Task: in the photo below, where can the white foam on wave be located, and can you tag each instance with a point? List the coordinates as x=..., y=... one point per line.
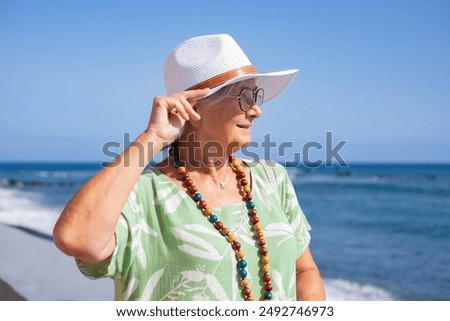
x=23, y=208
x=344, y=290
x=47, y=174
x=300, y=178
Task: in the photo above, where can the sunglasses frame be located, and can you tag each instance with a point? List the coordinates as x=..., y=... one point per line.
x=255, y=95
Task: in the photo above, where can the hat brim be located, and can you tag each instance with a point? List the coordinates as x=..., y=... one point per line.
x=273, y=83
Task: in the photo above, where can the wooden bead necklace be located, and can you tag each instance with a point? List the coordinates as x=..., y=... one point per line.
x=235, y=245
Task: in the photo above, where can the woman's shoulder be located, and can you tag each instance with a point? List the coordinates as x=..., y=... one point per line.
x=151, y=179
x=151, y=185
x=149, y=175
x=158, y=171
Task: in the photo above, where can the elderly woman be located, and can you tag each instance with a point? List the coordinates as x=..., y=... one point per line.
x=202, y=224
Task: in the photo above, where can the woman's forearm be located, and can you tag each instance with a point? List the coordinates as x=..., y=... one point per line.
x=310, y=286
x=308, y=281
x=87, y=224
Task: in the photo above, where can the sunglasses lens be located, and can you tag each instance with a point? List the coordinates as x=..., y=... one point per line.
x=246, y=99
x=260, y=97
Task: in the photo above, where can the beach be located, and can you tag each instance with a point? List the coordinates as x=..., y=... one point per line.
x=32, y=268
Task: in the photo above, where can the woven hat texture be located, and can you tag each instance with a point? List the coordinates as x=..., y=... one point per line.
x=201, y=58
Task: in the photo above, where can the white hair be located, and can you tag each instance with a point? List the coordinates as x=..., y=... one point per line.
x=218, y=96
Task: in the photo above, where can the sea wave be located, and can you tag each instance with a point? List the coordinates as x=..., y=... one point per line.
x=344, y=290
x=401, y=184
x=319, y=178
x=25, y=209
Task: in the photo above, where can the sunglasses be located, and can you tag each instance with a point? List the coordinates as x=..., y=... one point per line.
x=249, y=97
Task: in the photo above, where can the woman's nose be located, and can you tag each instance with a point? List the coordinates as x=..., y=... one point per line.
x=255, y=111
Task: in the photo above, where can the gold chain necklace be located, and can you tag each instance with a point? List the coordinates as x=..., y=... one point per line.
x=222, y=184
x=236, y=246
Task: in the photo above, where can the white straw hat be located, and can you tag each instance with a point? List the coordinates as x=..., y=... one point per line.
x=215, y=61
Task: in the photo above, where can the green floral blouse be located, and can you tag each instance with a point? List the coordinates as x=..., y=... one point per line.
x=167, y=250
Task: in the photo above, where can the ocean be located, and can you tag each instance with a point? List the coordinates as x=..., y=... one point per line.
x=379, y=231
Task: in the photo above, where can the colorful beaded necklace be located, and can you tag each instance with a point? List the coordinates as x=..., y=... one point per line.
x=235, y=245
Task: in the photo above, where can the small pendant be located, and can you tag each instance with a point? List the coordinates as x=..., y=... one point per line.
x=222, y=185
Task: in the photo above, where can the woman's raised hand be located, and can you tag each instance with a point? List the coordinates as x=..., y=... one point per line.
x=169, y=114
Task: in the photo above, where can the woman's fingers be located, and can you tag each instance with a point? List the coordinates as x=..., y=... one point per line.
x=181, y=110
x=176, y=109
x=182, y=103
x=193, y=115
x=192, y=95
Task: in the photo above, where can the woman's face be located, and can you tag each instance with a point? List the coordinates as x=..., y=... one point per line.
x=225, y=123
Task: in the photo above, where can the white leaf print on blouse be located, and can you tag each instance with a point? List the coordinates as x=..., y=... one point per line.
x=131, y=287
x=200, y=228
x=216, y=291
x=170, y=203
x=277, y=280
x=241, y=227
x=136, y=242
x=132, y=201
x=292, y=202
x=264, y=200
x=163, y=193
x=279, y=229
x=195, y=246
x=295, y=223
x=280, y=178
x=151, y=285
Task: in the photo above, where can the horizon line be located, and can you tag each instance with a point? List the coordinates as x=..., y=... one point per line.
x=350, y=163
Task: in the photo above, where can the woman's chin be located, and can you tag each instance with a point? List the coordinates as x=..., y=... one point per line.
x=246, y=143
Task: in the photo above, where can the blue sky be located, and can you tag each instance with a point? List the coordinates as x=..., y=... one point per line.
x=76, y=74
